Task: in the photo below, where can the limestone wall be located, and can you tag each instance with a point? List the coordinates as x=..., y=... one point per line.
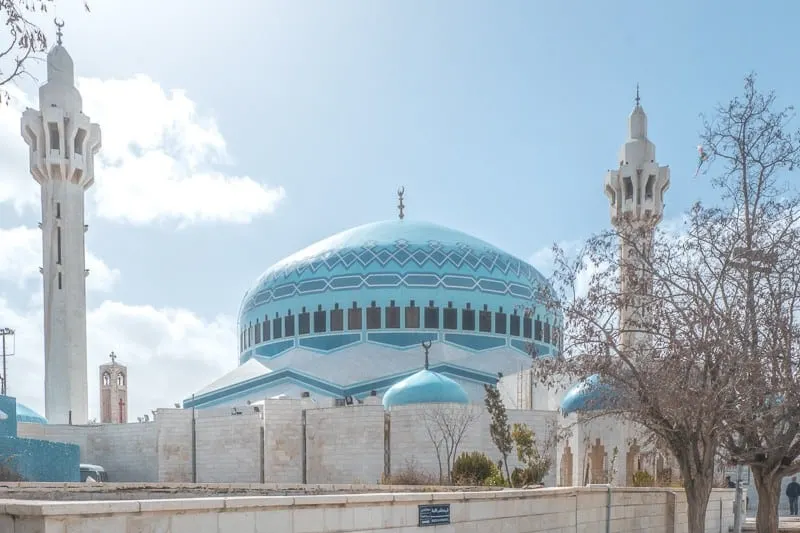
x=411, y=443
x=229, y=448
x=300, y=443
x=583, y=510
x=345, y=445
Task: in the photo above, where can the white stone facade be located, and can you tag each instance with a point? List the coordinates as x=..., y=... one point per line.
x=63, y=143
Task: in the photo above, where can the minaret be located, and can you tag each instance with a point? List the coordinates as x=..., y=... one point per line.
x=63, y=143
x=636, y=193
x=113, y=392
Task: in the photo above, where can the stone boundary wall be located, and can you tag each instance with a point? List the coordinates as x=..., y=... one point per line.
x=579, y=510
x=284, y=441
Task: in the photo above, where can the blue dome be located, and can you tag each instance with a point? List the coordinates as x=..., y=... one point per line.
x=424, y=387
x=390, y=264
x=587, y=395
x=28, y=415
x=339, y=318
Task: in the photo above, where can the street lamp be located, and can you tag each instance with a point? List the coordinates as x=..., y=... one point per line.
x=8, y=350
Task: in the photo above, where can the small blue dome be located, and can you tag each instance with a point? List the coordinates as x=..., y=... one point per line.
x=424, y=387
x=28, y=415
x=589, y=394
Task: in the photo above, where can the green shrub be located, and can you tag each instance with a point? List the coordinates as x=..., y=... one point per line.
x=642, y=479
x=473, y=468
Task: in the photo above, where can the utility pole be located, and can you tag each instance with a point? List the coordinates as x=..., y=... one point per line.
x=7, y=352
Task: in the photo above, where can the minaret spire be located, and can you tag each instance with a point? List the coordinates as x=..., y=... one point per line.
x=63, y=143
x=59, y=34
x=400, y=206
x=426, y=345
x=637, y=99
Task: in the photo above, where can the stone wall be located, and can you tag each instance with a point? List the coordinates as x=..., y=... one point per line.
x=283, y=441
x=345, y=445
x=582, y=510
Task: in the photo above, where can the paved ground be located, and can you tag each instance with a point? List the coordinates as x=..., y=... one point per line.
x=787, y=524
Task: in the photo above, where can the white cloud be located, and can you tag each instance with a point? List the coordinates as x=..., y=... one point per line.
x=170, y=353
x=21, y=257
x=157, y=162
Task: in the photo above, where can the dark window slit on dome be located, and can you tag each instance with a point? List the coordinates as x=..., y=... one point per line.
x=500, y=322
x=450, y=318
x=515, y=324
x=431, y=316
x=468, y=318
x=485, y=324
x=537, y=329
x=265, y=329
x=320, y=320
x=354, y=319
x=288, y=324
x=373, y=316
x=337, y=318
x=276, y=327
x=392, y=316
x=303, y=322
x=412, y=315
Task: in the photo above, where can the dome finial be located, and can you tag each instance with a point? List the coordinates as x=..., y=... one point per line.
x=400, y=192
x=426, y=345
x=59, y=34
x=637, y=95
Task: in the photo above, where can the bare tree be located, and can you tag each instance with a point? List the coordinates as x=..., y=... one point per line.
x=22, y=41
x=446, y=425
x=754, y=238
x=668, y=365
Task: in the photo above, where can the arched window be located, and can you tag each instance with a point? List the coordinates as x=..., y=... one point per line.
x=120, y=380
x=106, y=379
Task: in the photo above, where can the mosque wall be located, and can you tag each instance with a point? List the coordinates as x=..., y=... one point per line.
x=280, y=441
x=345, y=443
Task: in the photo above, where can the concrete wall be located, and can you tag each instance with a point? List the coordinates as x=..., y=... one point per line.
x=345, y=444
x=585, y=510
x=300, y=443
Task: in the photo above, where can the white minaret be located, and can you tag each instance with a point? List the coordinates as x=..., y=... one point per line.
x=636, y=193
x=62, y=145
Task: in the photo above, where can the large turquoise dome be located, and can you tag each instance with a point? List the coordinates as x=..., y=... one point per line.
x=340, y=317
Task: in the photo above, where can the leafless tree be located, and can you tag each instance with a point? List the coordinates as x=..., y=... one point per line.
x=22, y=40
x=754, y=238
x=446, y=425
x=706, y=357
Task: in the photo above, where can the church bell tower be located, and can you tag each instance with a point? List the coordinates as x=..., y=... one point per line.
x=113, y=392
x=636, y=195
x=62, y=144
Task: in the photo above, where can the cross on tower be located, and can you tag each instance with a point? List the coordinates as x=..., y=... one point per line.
x=113, y=357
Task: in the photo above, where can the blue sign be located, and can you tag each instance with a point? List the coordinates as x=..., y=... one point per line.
x=434, y=515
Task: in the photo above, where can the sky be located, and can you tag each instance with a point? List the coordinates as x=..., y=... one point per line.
x=235, y=133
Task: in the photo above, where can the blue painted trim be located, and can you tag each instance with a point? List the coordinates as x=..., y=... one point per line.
x=475, y=342
x=329, y=343
x=324, y=388
x=403, y=340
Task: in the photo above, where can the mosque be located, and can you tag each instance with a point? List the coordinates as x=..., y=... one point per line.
x=396, y=312
x=343, y=319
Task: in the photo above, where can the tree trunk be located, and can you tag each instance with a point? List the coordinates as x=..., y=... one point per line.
x=768, y=486
x=697, y=494
x=508, y=476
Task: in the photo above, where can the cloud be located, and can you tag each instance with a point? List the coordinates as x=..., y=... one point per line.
x=21, y=257
x=170, y=353
x=159, y=162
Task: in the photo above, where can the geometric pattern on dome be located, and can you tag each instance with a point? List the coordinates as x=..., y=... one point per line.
x=403, y=254
x=388, y=279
